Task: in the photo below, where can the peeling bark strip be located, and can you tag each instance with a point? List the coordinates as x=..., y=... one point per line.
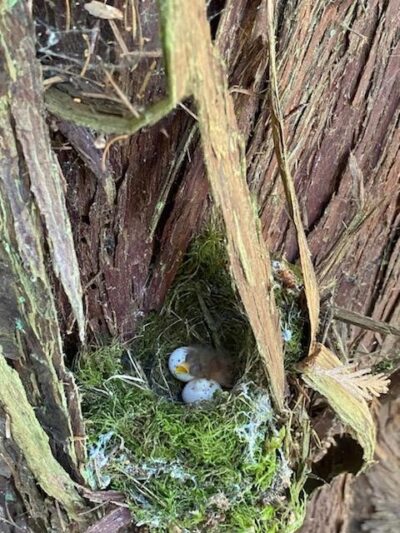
x=321, y=368
x=33, y=335
x=194, y=68
x=320, y=373
x=38, y=396
x=34, y=443
x=199, y=70
x=309, y=277
x=115, y=521
x=339, y=76
x=17, y=43
x=364, y=322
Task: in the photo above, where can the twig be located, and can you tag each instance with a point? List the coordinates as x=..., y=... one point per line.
x=188, y=111
x=67, y=16
x=339, y=343
x=363, y=37
x=11, y=523
x=101, y=96
x=119, y=38
x=146, y=53
x=176, y=165
x=282, y=155
x=212, y=326
x=121, y=94
x=133, y=26
x=339, y=250
x=60, y=517
x=91, y=44
x=146, y=80
x=107, y=149
x=365, y=322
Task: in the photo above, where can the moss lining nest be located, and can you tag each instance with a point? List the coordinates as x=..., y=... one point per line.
x=215, y=466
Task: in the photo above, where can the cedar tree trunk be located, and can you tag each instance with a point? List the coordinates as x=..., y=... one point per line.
x=128, y=209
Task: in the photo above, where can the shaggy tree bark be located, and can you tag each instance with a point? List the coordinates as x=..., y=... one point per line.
x=41, y=433
x=368, y=502
x=134, y=209
x=338, y=67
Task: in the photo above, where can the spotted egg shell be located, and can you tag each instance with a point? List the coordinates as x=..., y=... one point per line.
x=199, y=390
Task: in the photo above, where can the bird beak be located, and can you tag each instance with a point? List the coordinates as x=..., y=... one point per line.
x=182, y=369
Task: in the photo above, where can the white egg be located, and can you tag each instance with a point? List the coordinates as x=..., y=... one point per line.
x=199, y=390
x=177, y=358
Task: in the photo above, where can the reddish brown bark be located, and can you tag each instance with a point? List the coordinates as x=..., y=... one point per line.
x=133, y=220
x=329, y=508
x=338, y=67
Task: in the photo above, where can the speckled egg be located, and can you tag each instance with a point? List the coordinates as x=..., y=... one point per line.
x=176, y=364
x=199, y=390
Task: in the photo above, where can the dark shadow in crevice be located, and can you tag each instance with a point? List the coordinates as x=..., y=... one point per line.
x=344, y=456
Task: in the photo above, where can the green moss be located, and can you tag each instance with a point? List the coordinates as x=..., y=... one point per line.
x=294, y=329
x=203, y=306
x=191, y=466
x=294, y=322
x=217, y=466
x=387, y=365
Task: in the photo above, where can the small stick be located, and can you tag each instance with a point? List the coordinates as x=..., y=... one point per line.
x=67, y=16
x=212, y=326
x=121, y=94
x=146, y=80
x=119, y=38
x=365, y=322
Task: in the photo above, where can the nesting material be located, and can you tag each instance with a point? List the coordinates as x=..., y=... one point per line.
x=218, y=465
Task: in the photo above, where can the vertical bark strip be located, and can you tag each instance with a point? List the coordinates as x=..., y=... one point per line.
x=191, y=54
x=38, y=397
x=34, y=443
x=352, y=409
x=17, y=42
x=309, y=277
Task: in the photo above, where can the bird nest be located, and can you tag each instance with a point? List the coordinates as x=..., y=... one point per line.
x=218, y=465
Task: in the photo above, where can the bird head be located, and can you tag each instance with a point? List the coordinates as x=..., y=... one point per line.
x=179, y=366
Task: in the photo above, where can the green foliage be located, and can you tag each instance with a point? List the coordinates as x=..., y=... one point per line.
x=99, y=364
x=293, y=325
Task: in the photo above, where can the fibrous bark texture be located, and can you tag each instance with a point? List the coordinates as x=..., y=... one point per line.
x=368, y=502
x=376, y=493
x=329, y=507
x=338, y=66
x=136, y=205
x=39, y=408
x=340, y=77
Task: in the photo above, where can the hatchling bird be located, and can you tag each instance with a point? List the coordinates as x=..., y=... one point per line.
x=201, y=361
